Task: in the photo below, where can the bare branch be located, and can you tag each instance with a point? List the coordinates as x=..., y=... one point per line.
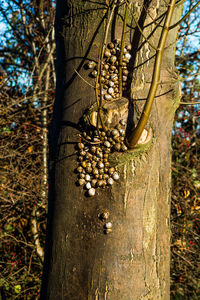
x=185, y=17
x=135, y=135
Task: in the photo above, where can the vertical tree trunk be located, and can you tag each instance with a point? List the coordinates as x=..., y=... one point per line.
x=132, y=262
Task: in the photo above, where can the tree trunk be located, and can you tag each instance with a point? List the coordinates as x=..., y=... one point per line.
x=132, y=262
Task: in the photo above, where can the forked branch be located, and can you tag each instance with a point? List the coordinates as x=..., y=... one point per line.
x=135, y=135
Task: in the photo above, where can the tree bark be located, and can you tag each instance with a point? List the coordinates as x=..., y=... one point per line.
x=132, y=262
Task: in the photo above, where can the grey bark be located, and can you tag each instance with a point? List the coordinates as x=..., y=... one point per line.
x=132, y=262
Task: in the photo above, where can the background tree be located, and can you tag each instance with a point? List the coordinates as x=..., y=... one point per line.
x=27, y=92
x=185, y=189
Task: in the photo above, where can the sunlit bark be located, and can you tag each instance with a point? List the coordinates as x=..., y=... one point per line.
x=132, y=262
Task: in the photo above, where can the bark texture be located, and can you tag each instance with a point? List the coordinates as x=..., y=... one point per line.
x=132, y=262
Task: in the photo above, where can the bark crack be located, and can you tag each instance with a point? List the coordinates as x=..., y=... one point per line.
x=143, y=251
x=127, y=190
x=159, y=182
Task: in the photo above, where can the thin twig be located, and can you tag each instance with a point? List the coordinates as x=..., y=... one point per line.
x=146, y=39
x=190, y=103
x=173, y=251
x=89, y=142
x=83, y=79
x=122, y=49
x=18, y=241
x=184, y=227
x=185, y=17
x=154, y=21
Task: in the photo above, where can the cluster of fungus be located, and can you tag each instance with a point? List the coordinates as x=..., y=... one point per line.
x=109, y=75
x=94, y=169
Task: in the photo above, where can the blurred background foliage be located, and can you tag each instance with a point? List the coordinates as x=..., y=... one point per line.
x=27, y=87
